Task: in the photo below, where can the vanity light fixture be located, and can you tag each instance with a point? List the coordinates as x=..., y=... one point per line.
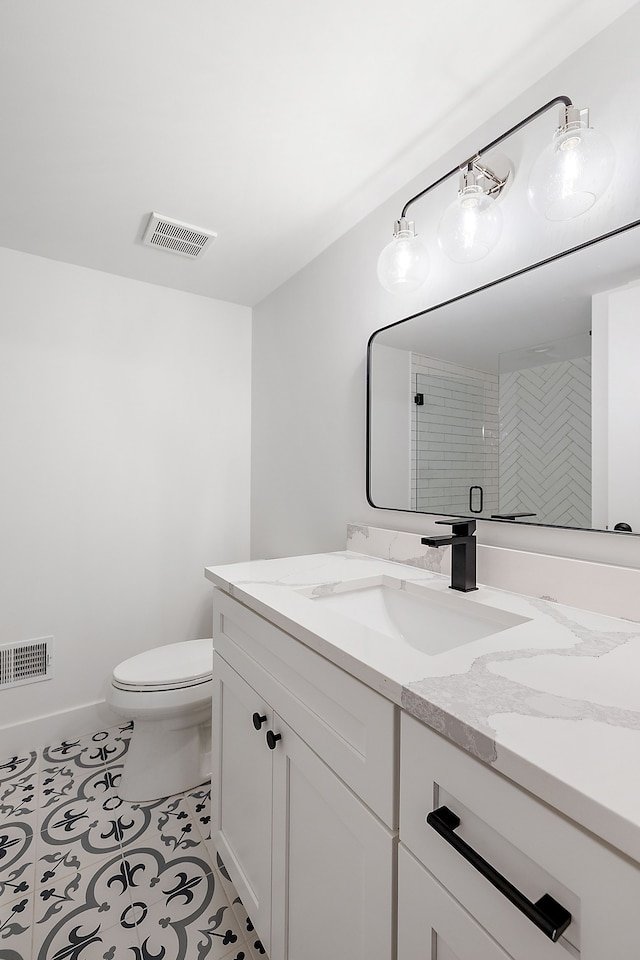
x=565, y=182
x=573, y=170
x=403, y=265
x=471, y=226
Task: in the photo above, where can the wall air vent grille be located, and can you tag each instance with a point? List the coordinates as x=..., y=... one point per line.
x=26, y=662
x=181, y=238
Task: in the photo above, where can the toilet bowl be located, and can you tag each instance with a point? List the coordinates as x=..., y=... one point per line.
x=167, y=693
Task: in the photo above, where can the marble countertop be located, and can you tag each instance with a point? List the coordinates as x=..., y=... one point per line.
x=553, y=702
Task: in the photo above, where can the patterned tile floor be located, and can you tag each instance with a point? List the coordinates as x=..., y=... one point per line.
x=85, y=875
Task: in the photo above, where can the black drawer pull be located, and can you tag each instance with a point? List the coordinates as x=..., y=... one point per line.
x=547, y=914
x=258, y=720
x=272, y=739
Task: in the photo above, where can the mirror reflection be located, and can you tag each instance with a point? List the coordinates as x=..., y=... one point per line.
x=516, y=401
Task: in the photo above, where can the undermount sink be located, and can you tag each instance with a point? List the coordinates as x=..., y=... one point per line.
x=428, y=620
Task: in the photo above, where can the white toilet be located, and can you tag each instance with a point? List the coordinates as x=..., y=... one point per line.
x=167, y=693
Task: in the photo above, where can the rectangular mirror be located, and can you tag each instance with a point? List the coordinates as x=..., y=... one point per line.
x=516, y=401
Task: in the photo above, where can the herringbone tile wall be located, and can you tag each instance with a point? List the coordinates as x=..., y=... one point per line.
x=545, y=442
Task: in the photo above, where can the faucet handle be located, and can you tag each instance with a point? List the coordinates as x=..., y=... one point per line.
x=461, y=527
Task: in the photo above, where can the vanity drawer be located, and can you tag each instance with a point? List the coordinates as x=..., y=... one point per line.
x=431, y=924
x=352, y=727
x=535, y=848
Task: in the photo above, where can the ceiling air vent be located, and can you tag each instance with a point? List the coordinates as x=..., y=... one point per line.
x=181, y=238
x=26, y=662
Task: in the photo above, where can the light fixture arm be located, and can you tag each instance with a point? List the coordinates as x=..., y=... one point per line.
x=472, y=172
x=474, y=161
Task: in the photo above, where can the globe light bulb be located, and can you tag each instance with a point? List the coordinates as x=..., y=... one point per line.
x=573, y=171
x=403, y=265
x=471, y=226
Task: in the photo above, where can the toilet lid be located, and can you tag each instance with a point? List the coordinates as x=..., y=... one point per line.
x=180, y=664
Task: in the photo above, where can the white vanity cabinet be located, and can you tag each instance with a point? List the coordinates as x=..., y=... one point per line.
x=326, y=835
x=448, y=909
x=304, y=806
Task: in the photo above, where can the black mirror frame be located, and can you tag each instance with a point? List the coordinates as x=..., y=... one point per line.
x=445, y=303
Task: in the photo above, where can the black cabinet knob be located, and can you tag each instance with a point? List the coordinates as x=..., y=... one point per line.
x=259, y=719
x=272, y=739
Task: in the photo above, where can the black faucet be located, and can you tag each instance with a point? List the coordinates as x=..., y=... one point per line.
x=463, y=552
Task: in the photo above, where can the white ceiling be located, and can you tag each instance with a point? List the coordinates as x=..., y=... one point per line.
x=277, y=124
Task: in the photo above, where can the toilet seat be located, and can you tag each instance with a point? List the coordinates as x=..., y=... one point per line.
x=171, y=667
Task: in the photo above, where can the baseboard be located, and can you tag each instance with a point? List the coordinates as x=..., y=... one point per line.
x=52, y=728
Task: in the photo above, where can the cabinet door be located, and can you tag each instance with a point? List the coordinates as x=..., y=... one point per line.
x=333, y=863
x=242, y=772
x=431, y=924
x=352, y=727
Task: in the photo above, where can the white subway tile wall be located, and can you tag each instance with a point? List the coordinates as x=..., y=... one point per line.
x=454, y=438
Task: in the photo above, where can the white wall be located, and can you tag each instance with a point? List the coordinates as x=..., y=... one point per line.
x=616, y=442
x=310, y=335
x=391, y=414
x=125, y=452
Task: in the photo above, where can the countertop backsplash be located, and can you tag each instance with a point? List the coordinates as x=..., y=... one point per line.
x=599, y=587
